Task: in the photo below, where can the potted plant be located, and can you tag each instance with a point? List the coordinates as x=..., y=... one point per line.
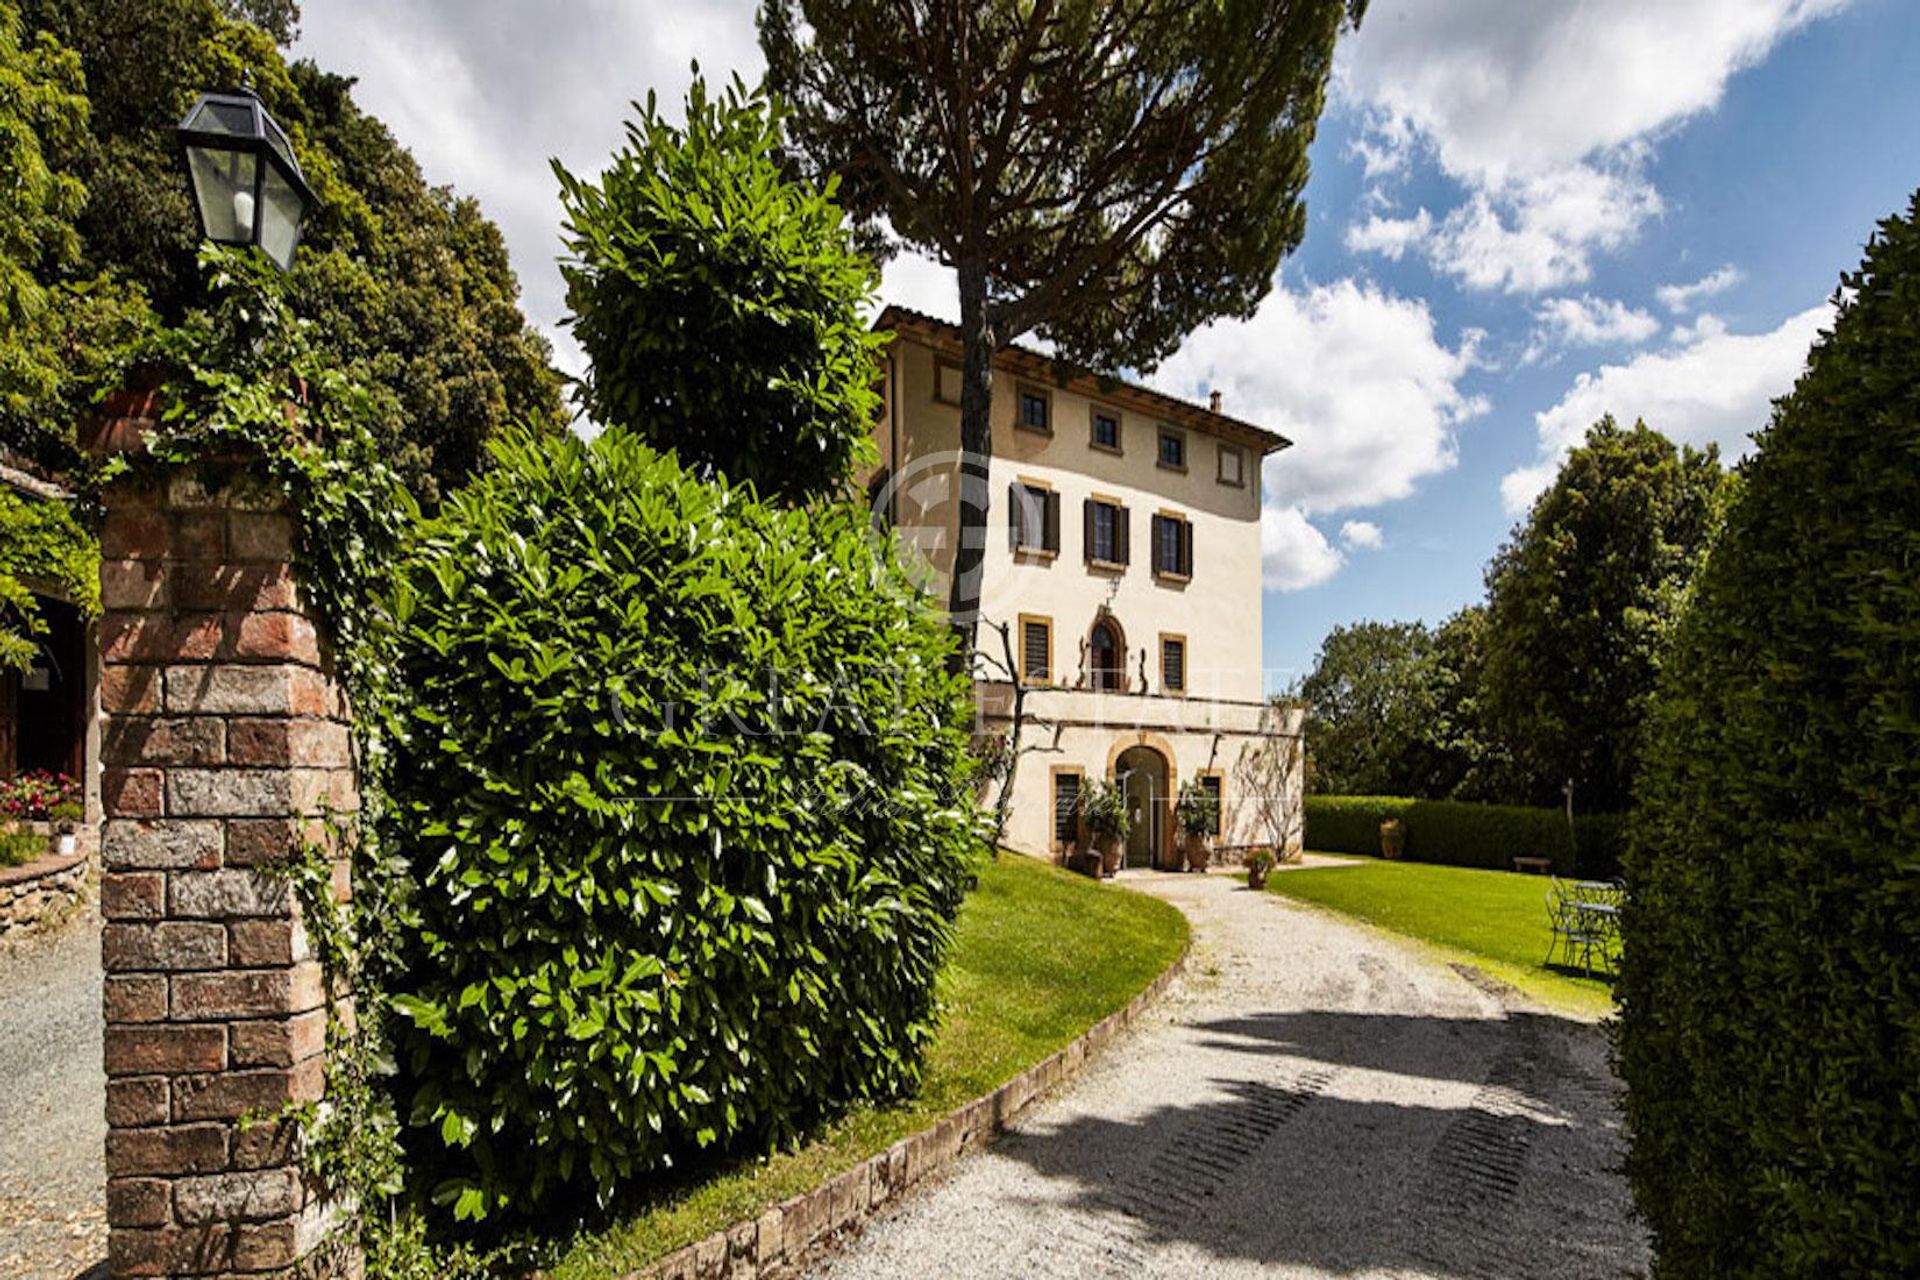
x=66, y=818
x=1105, y=808
x=1259, y=865
x=1197, y=813
x=1393, y=839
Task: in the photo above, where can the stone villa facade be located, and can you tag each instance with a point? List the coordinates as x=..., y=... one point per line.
x=1123, y=554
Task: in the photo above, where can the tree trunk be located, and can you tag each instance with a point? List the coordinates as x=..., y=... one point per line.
x=976, y=453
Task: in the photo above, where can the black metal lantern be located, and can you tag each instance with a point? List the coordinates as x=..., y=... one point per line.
x=247, y=186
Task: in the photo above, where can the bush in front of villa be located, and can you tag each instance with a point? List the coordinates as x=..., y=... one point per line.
x=1770, y=987
x=683, y=779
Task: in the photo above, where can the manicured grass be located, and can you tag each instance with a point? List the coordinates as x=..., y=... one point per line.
x=1496, y=918
x=1040, y=956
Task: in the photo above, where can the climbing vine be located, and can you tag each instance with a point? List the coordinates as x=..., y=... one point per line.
x=41, y=546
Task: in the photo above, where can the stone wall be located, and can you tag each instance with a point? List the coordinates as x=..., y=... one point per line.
x=225, y=738
x=43, y=889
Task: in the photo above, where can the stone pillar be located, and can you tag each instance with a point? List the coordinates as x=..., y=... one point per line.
x=224, y=737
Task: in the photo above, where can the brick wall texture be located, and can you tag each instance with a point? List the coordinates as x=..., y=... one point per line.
x=225, y=740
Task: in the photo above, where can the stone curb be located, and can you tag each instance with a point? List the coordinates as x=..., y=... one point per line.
x=797, y=1231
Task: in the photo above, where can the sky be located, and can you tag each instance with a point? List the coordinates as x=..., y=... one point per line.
x=1523, y=214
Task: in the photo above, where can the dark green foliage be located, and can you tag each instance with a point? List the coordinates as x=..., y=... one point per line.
x=1393, y=708
x=42, y=549
x=1579, y=605
x=701, y=275
x=408, y=287
x=683, y=779
x=1108, y=173
x=1454, y=834
x=1770, y=995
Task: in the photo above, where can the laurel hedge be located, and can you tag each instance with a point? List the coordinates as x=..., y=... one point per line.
x=1770, y=989
x=1456, y=834
x=682, y=778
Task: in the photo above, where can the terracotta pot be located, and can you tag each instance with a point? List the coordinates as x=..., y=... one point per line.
x=1086, y=864
x=1393, y=839
x=1109, y=849
x=1199, y=853
x=1257, y=877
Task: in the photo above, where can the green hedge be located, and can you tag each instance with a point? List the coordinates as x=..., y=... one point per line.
x=1455, y=834
x=683, y=780
x=1770, y=984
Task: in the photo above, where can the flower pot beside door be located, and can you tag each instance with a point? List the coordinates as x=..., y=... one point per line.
x=66, y=818
x=1107, y=823
x=1197, y=814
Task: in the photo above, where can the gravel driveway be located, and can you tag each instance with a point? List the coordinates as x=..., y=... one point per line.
x=1315, y=1099
x=53, y=1222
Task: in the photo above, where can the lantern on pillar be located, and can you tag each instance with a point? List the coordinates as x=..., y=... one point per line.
x=247, y=187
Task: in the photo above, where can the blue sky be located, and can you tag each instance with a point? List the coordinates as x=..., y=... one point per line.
x=1522, y=214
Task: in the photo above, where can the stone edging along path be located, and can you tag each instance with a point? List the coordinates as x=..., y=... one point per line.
x=41, y=889
x=796, y=1231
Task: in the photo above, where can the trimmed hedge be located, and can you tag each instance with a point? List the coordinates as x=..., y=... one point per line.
x=1456, y=834
x=1769, y=1031
x=683, y=780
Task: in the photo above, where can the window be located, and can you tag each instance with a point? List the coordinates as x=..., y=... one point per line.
x=1107, y=657
x=1233, y=466
x=1106, y=429
x=946, y=382
x=1172, y=546
x=1173, y=663
x=1036, y=649
x=1105, y=532
x=1033, y=518
x=1173, y=449
x=1066, y=806
x=1036, y=411
x=1210, y=782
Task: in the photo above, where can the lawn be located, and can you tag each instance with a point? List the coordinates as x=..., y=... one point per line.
x=1039, y=957
x=1494, y=919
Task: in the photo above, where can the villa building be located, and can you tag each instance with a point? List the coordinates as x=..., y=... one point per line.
x=1123, y=557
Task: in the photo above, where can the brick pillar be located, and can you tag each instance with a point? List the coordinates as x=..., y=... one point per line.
x=224, y=736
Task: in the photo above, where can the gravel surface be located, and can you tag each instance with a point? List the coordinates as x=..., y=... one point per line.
x=53, y=1220
x=1315, y=1099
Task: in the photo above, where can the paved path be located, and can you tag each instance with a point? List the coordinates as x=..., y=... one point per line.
x=1316, y=1099
x=53, y=1222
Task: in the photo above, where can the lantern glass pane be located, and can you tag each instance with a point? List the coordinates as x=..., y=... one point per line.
x=277, y=139
x=280, y=217
x=223, y=184
x=229, y=117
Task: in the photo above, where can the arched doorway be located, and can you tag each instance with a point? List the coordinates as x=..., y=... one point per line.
x=1107, y=656
x=1142, y=774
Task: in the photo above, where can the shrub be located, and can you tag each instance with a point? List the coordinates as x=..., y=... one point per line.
x=683, y=778
x=1770, y=987
x=1456, y=834
x=35, y=795
x=702, y=276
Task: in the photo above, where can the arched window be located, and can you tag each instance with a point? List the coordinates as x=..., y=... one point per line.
x=1107, y=656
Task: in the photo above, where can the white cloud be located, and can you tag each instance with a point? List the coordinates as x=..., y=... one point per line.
x=1587, y=321
x=1358, y=380
x=1293, y=553
x=1362, y=535
x=1390, y=237
x=1715, y=387
x=1545, y=113
x=1679, y=298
